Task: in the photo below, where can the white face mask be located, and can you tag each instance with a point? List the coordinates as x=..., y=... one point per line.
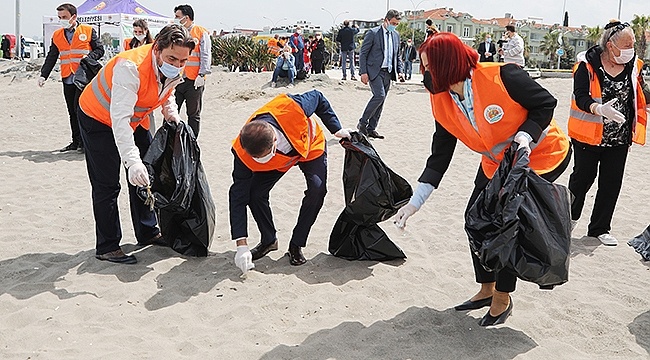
x=299, y=31
x=625, y=56
x=65, y=23
x=268, y=157
x=140, y=37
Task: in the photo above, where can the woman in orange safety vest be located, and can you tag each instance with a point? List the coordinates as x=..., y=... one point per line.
x=141, y=35
x=608, y=114
x=486, y=107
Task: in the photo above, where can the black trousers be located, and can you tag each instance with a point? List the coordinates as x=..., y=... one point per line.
x=506, y=279
x=103, y=163
x=315, y=172
x=71, y=93
x=317, y=66
x=609, y=164
x=193, y=98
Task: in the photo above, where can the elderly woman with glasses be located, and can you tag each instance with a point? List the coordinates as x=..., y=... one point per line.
x=608, y=114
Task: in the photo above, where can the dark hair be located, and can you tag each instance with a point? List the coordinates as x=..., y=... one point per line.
x=172, y=35
x=393, y=14
x=449, y=60
x=346, y=22
x=141, y=23
x=256, y=137
x=510, y=28
x=68, y=7
x=429, y=22
x=185, y=10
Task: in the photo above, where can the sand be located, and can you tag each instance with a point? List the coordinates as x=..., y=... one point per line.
x=58, y=302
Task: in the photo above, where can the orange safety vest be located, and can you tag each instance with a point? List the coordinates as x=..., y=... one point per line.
x=71, y=53
x=95, y=100
x=273, y=46
x=498, y=118
x=127, y=44
x=194, y=62
x=588, y=128
x=304, y=134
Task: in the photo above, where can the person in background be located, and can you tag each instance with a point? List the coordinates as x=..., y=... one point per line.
x=317, y=54
x=6, y=47
x=346, y=40
x=307, y=54
x=284, y=67
x=114, y=114
x=190, y=91
x=409, y=54
x=608, y=114
x=273, y=45
x=379, y=63
x=513, y=50
x=277, y=137
x=297, y=43
x=71, y=43
x=23, y=45
x=487, y=107
x=487, y=49
x=141, y=35
x=431, y=29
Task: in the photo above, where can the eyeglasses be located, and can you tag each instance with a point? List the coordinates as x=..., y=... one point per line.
x=618, y=26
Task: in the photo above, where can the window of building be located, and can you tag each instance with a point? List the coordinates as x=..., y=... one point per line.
x=450, y=28
x=581, y=43
x=477, y=31
x=466, y=31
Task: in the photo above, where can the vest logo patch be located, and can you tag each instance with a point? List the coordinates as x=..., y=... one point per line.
x=493, y=113
x=83, y=37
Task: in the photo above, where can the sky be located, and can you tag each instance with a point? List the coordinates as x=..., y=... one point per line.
x=223, y=14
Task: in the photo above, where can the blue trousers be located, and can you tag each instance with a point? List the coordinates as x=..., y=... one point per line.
x=315, y=172
x=408, y=69
x=379, y=87
x=279, y=72
x=103, y=163
x=344, y=56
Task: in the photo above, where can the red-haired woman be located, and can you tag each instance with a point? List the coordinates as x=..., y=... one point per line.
x=486, y=106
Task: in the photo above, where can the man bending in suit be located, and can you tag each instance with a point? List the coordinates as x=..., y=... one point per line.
x=379, y=63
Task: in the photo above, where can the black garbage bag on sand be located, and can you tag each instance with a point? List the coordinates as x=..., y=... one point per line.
x=641, y=244
x=183, y=202
x=522, y=222
x=373, y=193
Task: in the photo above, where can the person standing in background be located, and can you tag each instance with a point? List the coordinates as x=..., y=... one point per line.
x=141, y=35
x=71, y=43
x=317, y=54
x=487, y=49
x=345, y=38
x=190, y=91
x=513, y=49
x=297, y=43
x=409, y=54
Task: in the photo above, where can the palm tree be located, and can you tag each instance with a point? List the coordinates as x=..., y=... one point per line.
x=593, y=35
x=479, y=38
x=549, y=45
x=640, y=24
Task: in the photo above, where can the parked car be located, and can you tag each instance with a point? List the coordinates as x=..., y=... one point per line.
x=28, y=48
x=534, y=73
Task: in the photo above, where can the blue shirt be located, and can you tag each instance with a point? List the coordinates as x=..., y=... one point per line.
x=388, y=50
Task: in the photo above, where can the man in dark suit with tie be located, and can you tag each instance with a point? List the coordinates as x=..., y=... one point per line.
x=379, y=63
x=487, y=49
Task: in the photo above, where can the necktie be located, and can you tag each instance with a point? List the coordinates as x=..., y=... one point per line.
x=390, y=52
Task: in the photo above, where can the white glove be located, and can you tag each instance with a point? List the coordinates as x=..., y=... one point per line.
x=41, y=81
x=523, y=139
x=174, y=120
x=199, y=81
x=609, y=112
x=138, y=175
x=343, y=133
x=403, y=214
x=244, y=258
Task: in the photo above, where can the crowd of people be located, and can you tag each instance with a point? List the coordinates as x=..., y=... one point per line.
x=485, y=105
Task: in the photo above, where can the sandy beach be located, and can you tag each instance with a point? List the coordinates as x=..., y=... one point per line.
x=58, y=302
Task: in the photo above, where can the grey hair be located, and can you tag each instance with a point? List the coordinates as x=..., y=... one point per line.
x=174, y=34
x=612, y=34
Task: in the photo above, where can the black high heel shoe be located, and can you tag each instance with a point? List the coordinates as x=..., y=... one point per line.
x=473, y=305
x=489, y=320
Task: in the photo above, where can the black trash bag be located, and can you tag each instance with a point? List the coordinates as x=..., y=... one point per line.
x=373, y=193
x=641, y=244
x=522, y=222
x=186, y=212
x=87, y=70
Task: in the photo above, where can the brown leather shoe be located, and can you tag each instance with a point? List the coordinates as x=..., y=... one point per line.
x=156, y=240
x=117, y=256
x=375, y=134
x=296, y=257
x=261, y=250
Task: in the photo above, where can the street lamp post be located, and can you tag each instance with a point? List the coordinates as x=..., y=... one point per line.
x=619, y=9
x=415, y=7
x=333, y=27
x=18, y=44
x=275, y=23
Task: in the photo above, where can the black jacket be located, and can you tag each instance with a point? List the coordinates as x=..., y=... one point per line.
x=412, y=53
x=346, y=38
x=96, y=53
x=318, y=51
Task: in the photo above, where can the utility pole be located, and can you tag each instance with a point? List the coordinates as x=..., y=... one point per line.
x=619, y=9
x=18, y=44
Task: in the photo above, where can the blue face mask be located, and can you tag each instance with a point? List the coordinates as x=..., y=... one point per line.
x=390, y=27
x=170, y=71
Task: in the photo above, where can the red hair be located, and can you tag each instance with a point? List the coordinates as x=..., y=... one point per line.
x=449, y=60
